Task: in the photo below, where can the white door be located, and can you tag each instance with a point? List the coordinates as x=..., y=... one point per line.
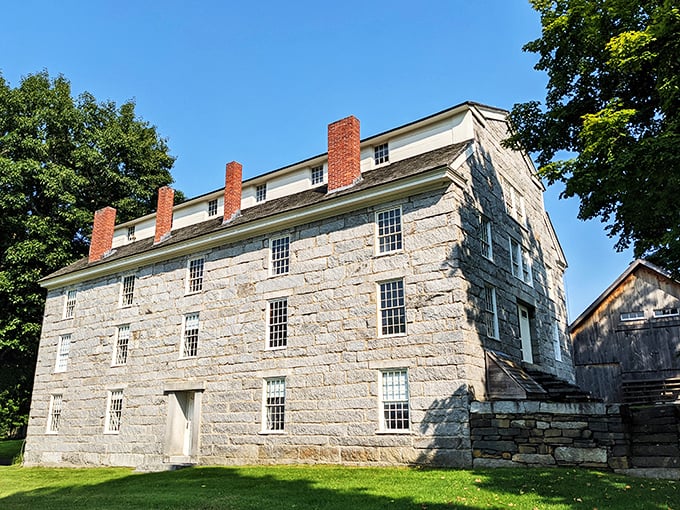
x=187, y=404
x=525, y=333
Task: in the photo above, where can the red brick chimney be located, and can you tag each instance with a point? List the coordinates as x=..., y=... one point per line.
x=102, y=233
x=344, y=153
x=232, y=190
x=166, y=198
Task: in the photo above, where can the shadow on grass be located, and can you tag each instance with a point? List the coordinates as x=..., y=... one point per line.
x=333, y=488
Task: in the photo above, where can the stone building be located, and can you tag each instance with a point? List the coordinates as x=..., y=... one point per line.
x=341, y=309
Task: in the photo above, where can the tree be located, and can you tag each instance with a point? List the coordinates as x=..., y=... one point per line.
x=60, y=160
x=612, y=104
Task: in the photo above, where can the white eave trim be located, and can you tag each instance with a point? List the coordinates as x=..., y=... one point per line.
x=426, y=181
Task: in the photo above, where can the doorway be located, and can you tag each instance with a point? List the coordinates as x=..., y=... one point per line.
x=525, y=333
x=181, y=442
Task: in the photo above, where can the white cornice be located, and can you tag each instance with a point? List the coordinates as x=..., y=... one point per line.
x=426, y=181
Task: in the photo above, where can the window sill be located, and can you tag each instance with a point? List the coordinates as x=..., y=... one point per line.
x=193, y=293
x=393, y=335
x=272, y=432
x=111, y=433
x=392, y=252
x=51, y=433
x=398, y=432
x=281, y=348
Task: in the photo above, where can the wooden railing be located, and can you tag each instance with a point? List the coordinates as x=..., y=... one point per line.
x=651, y=391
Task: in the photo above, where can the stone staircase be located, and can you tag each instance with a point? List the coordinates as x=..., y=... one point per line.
x=558, y=390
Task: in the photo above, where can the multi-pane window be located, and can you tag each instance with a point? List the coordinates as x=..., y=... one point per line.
x=278, y=323
x=392, y=308
x=514, y=202
x=275, y=404
x=381, y=154
x=520, y=262
x=666, y=312
x=195, y=281
x=632, y=316
x=127, y=291
x=261, y=192
x=190, y=335
x=280, y=255
x=70, y=305
x=120, y=352
x=212, y=208
x=317, y=175
x=389, y=230
x=485, y=237
x=556, y=341
x=63, y=349
x=114, y=411
x=54, y=416
x=131, y=233
x=395, y=400
x=490, y=312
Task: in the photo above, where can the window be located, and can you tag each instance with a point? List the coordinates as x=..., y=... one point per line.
x=280, y=256
x=261, y=192
x=556, y=341
x=395, y=400
x=278, y=323
x=490, y=312
x=54, y=416
x=392, y=308
x=317, y=175
x=514, y=202
x=63, y=349
x=195, y=282
x=114, y=411
x=632, y=316
x=666, y=312
x=275, y=404
x=127, y=291
x=70, y=304
x=381, y=154
x=190, y=336
x=131, y=233
x=485, y=237
x=212, y=208
x=520, y=262
x=120, y=351
x=389, y=230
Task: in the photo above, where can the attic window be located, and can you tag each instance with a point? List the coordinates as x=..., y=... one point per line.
x=381, y=154
x=632, y=316
x=212, y=208
x=131, y=233
x=666, y=312
x=317, y=175
x=261, y=193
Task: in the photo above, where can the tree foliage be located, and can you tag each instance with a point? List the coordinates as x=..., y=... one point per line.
x=612, y=104
x=61, y=158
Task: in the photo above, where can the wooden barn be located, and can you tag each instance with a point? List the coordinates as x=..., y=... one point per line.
x=627, y=343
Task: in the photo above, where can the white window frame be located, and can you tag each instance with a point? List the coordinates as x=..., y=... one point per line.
x=381, y=154
x=485, y=238
x=399, y=306
x=127, y=291
x=635, y=315
x=557, y=340
x=277, y=330
x=514, y=202
x=398, y=234
x=54, y=413
x=279, y=256
x=666, y=312
x=131, y=237
x=113, y=416
x=212, y=208
x=63, y=352
x=261, y=193
x=389, y=398
x=194, y=282
x=490, y=312
x=121, y=348
x=190, y=335
x=70, y=301
x=520, y=262
x=316, y=175
x=274, y=384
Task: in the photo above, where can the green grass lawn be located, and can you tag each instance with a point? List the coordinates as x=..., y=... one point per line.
x=330, y=488
x=9, y=449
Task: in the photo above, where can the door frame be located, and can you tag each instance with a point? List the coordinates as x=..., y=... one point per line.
x=524, y=319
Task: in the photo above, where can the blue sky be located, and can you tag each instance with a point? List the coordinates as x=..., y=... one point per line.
x=258, y=82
